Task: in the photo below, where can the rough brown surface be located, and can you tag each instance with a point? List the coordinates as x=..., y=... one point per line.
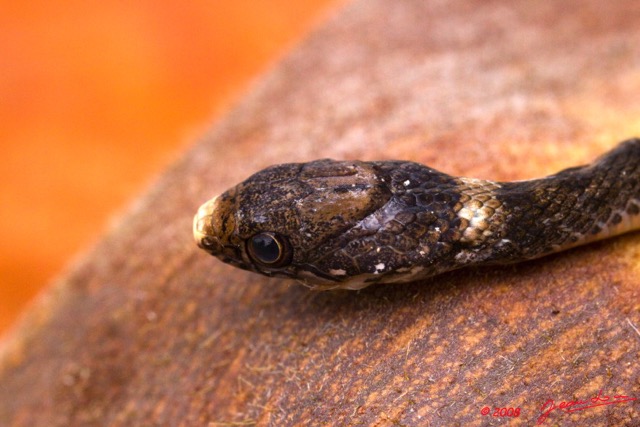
x=147, y=329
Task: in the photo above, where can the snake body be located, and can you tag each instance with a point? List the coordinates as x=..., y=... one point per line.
x=348, y=224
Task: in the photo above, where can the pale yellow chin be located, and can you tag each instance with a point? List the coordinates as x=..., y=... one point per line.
x=202, y=220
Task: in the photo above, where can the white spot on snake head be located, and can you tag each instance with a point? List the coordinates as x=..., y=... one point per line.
x=380, y=266
x=406, y=183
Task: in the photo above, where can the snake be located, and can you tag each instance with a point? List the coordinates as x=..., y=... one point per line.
x=339, y=224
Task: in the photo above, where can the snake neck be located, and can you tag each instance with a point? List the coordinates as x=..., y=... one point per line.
x=575, y=206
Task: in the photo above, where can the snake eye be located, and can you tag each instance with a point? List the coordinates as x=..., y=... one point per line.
x=269, y=249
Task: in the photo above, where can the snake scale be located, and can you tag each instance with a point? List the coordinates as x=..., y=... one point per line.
x=349, y=224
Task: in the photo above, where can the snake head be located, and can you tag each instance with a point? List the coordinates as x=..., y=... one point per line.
x=289, y=220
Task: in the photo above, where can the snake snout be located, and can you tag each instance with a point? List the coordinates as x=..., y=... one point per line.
x=214, y=227
x=203, y=227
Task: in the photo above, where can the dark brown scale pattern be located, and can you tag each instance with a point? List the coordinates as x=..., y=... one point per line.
x=573, y=205
x=419, y=223
x=350, y=224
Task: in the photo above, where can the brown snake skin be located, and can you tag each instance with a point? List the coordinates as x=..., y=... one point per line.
x=349, y=224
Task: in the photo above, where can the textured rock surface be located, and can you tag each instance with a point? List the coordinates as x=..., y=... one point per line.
x=148, y=329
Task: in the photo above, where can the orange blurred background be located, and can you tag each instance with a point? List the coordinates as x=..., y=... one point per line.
x=98, y=96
